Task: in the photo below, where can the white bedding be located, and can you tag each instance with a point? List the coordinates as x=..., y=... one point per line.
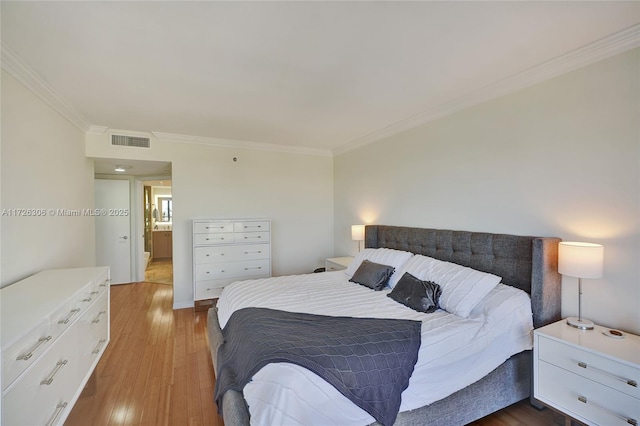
x=454, y=351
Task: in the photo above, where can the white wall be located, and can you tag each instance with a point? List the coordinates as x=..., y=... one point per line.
x=561, y=158
x=43, y=167
x=295, y=191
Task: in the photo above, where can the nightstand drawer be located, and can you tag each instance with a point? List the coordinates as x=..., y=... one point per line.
x=585, y=400
x=611, y=373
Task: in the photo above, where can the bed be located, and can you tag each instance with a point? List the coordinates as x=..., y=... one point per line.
x=525, y=263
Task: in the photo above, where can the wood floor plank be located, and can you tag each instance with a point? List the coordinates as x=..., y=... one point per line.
x=157, y=370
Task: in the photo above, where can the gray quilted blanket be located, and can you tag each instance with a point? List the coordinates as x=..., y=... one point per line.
x=368, y=360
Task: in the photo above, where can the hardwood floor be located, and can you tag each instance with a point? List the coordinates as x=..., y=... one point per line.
x=157, y=369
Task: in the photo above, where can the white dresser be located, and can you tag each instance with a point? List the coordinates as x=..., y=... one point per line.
x=55, y=328
x=229, y=250
x=587, y=375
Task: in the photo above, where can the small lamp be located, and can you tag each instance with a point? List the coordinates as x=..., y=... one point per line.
x=582, y=260
x=357, y=234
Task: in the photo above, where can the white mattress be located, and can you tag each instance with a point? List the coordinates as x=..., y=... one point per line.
x=454, y=353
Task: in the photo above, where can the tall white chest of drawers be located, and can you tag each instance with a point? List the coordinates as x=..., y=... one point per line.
x=55, y=328
x=229, y=250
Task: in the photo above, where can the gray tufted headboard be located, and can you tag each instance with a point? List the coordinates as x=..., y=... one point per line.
x=528, y=263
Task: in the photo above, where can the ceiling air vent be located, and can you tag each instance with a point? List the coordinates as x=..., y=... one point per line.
x=122, y=140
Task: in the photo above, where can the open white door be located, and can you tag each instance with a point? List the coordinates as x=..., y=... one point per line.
x=113, y=237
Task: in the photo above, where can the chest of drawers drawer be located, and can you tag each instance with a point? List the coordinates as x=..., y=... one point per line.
x=231, y=253
x=211, y=239
x=217, y=227
x=244, y=269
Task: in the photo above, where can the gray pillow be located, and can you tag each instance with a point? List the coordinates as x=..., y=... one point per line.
x=372, y=275
x=421, y=296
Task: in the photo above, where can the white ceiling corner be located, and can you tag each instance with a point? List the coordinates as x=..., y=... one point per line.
x=609, y=46
x=22, y=72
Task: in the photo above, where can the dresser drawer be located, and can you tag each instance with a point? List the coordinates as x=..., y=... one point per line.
x=212, y=227
x=210, y=289
x=93, y=329
x=17, y=357
x=51, y=381
x=241, y=269
x=251, y=226
x=231, y=253
x=251, y=237
x=609, y=372
x=583, y=399
x=211, y=239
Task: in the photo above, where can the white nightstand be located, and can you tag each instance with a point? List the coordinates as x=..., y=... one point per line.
x=587, y=375
x=337, y=263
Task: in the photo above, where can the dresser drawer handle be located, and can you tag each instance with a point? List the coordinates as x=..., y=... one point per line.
x=105, y=283
x=630, y=421
x=221, y=238
x=253, y=252
x=94, y=292
x=88, y=299
x=68, y=318
x=630, y=382
x=255, y=237
x=59, y=409
x=59, y=365
x=214, y=227
x=29, y=354
x=98, y=346
x=252, y=226
x=252, y=267
x=98, y=318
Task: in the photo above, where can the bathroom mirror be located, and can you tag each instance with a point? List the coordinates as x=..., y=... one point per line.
x=165, y=209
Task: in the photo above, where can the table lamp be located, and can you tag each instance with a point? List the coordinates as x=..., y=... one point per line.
x=357, y=234
x=581, y=260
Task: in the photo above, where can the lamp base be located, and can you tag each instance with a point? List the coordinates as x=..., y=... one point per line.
x=585, y=324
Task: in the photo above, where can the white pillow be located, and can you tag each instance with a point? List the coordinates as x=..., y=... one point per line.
x=384, y=256
x=462, y=288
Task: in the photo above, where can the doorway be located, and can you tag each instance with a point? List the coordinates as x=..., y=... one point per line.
x=158, y=231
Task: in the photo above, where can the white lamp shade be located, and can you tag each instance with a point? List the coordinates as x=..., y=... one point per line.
x=357, y=232
x=582, y=260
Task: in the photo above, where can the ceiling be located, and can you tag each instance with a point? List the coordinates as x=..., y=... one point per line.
x=317, y=75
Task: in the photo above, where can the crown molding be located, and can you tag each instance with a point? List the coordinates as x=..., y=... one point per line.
x=14, y=65
x=232, y=143
x=97, y=130
x=604, y=48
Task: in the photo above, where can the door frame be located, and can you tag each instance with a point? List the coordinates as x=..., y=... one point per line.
x=137, y=207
